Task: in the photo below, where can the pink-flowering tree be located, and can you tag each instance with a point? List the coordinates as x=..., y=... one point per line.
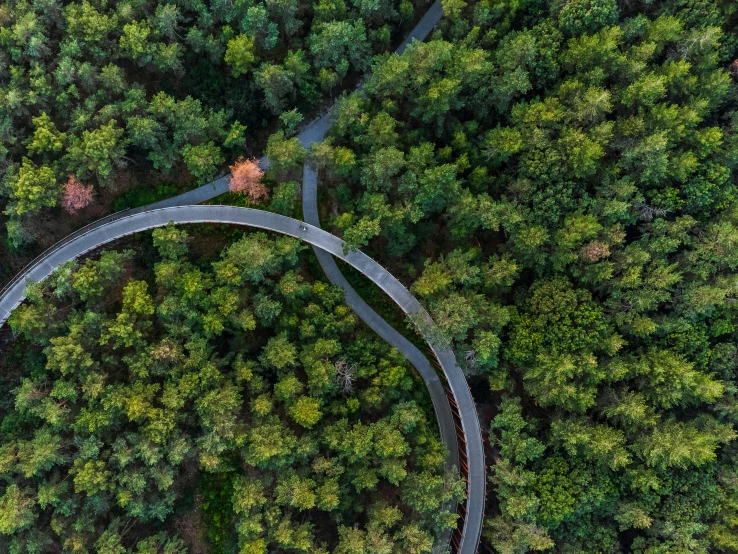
x=246, y=179
x=75, y=195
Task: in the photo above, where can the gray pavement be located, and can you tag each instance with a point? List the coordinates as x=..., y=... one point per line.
x=180, y=209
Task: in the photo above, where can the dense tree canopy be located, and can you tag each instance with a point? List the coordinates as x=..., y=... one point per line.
x=555, y=180
x=558, y=180
x=89, y=87
x=242, y=382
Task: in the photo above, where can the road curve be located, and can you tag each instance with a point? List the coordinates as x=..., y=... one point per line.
x=249, y=217
x=326, y=246
x=476, y=474
x=329, y=245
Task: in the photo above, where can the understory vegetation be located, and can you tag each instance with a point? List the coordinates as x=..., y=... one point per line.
x=163, y=401
x=558, y=181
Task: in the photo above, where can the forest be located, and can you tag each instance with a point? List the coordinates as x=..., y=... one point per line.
x=162, y=399
x=557, y=180
x=97, y=94
x=554, y=180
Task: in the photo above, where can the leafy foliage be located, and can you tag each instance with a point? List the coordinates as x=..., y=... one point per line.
x=89, y=88
x=130, y=381
x=558, y=182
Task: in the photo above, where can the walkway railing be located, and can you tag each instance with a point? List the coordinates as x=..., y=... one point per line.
x=456, y=537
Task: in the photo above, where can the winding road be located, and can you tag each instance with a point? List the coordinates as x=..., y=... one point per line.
x=452, y=400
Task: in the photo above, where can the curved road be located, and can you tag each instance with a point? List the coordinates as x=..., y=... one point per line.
x=476, y=472
x=326, y=246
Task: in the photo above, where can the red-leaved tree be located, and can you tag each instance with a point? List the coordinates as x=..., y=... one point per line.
x=75, y=195
x=246, y=179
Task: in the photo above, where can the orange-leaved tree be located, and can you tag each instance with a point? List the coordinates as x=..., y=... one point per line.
x=246, y=179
